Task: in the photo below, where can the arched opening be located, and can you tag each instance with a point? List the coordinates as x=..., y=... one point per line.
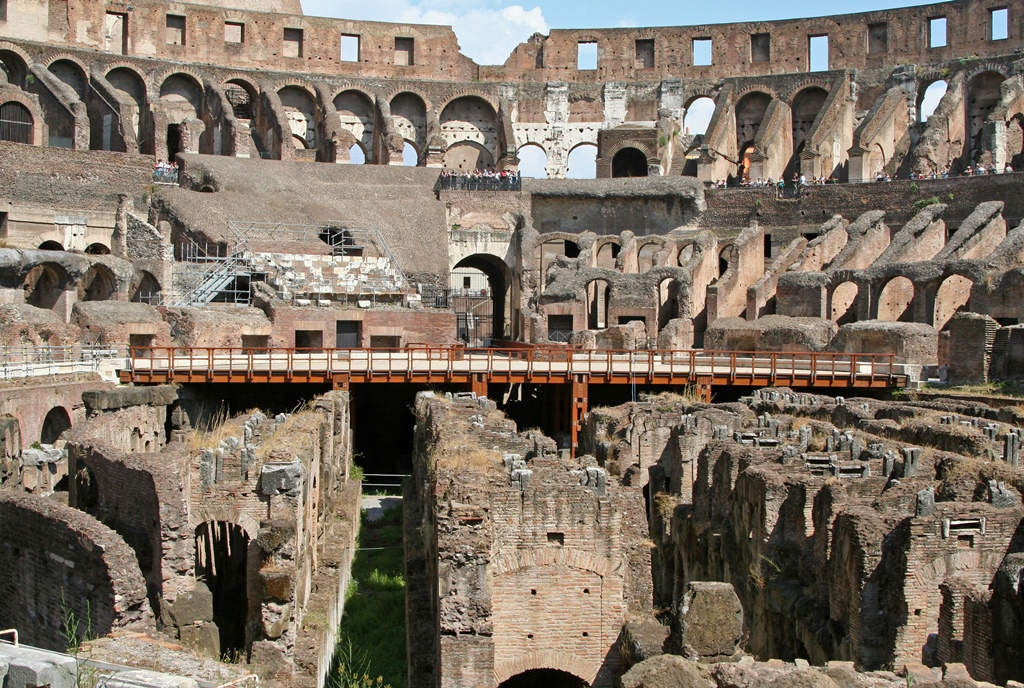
x=894, y=299
x=750, y=110
x=410, y=156
x=607, y=254
x=147, y=289
x=241, y=95
x=597, y=304
x=44, y=285
x=930, y=98
x=51, y=246
x=533, y=161
x=13, y=68
x=743, y=171
x=131, y=88
x=551, y=251
x=98, y=284
x=55, y=423
x=356, y=155
x=355, y=109
x=468, y=156
x=698, y=116
x=300, y=111
x=723, y=260
x=409, y=114
x=668, y=294
x=480, y=314
x=173, y=140
x=582, y=162
x=647, y=255
x=15, y=123
x=952, y=295
x=544, y=678
x=806, y=106
x=182, y=97
x=841, y=309
x=629, y=162
x=685, y=255
x=983, y=97
x=97, y=249
x=221, y=561
x=72, y=75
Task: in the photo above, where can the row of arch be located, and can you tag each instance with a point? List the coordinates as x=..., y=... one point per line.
x=45, y=284
x=899, y=299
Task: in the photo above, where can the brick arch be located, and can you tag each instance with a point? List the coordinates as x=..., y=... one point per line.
x=545, y=659
x=282, y=84
x=122, y=64
x=468, y=93
x=570, y=557
x=805, y=85
x=255, y=85
x=977, y=69
x=629, y=143
x=34, y=110
x=399, y=90
x=369, y=94
x=159, y=78
x=205, y=514
x=67, y=57
x=756, y=88
x=12, y=48
x=696, y=93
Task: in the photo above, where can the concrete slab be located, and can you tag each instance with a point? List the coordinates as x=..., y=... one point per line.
x=375, y=507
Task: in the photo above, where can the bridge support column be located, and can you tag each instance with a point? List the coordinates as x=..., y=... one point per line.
x=577, y=409
x=340, y=382
x=478, y=385
x=704, y=388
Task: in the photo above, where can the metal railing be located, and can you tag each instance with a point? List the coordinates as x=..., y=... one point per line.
x=458, y=361
x=36, y=361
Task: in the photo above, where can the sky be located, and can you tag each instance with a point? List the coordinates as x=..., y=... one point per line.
x=488, y=30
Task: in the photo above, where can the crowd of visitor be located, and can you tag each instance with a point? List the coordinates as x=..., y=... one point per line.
x=165, y=173
x=481, y=180
x=799, y=181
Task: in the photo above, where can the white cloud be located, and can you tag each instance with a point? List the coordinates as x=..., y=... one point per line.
x=487, y=34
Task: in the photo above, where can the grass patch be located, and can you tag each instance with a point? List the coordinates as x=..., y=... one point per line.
x=372, y=635
x=1013, y=387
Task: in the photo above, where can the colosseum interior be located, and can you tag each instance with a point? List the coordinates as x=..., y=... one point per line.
x=742, y=410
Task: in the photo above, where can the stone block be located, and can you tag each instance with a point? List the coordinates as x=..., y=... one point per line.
x=277, y=584
x=202, y=638
x=36, y=672
x=281, y=478
x=711, y=621
x=664, y=671
x=192, y=607
x=148, y=679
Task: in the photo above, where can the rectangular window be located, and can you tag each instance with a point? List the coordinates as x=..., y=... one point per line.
x=175, y=30
x=404, y=55
x=349, y=48
x=878, y=38
x=348, y=334
x=701, y=52
x=234, y=32
x=1000, y=23
x=3, y=10
x=760, y=47
x=817, y=53
x=644, y=53
x=115, y=33
x=586, y=55
x=292, y=43
x=937, y=32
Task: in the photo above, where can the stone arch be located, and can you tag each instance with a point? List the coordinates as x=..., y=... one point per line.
x=469, y=94
x=629, y=162
x=550, y=660
x=469, y=119
x=98, y=284
x=410, y=154
x=184, y=93
x=598, y=293
x=668, y=294
x=242, y=94
x=551, y=247
x=806, y=105
x=205, y=513
x=697, y=114
x=131, y=88
x=51, y=245
x=499, y=277
x=13, y=65
x=983, y=96
x=929, y=94
x=409, y=114
x=17, y=123
x=299, y=105
x=606, y=251
x=749, y=111
x=533, y=160
x=146, y=288
x=72, y=72
x=841, y=302
x=952, y=295
x=45, y=284
x=686, y=253
x=57, y=420
x=581, y=161
x=356, y=111
x=894, y=299
x=468, y=156
x=647, y=254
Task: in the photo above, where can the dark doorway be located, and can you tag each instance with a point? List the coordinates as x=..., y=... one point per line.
x=629, y=162
x=309, y=339
x=55, y=423
x=347, y=334
x=173, y=141
x=221, y=555
x=544, y=678
x=480, y=292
